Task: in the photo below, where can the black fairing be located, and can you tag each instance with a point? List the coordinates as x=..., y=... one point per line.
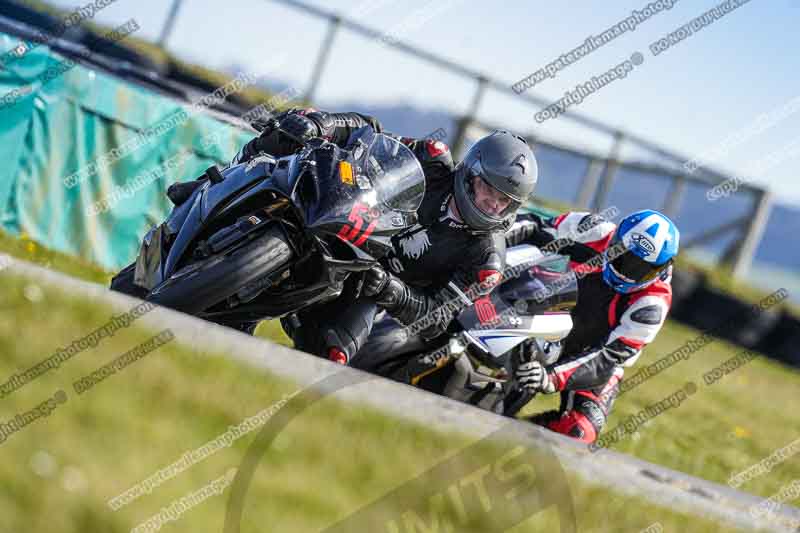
x=208, y=199
x=347, y=212
x=337, y=205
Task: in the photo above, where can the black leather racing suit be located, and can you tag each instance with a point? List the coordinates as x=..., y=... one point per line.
x=439, y=259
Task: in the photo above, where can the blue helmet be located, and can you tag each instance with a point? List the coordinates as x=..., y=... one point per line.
x=641, y=251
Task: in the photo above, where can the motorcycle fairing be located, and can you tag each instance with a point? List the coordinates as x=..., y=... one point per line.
x=350, y=212
x=237, y=179
x=354, y=209
x=188, y=219
x=550, y=327
x=528, y=305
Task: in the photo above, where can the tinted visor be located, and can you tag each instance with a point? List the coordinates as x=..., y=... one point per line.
x=633, y=268
x=509, y=205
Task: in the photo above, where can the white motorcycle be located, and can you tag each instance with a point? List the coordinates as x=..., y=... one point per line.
x=475, y=362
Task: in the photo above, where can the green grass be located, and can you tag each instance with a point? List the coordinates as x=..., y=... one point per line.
x=29, y=250
x=58, y=472
x=718, y=432
x=24, y=248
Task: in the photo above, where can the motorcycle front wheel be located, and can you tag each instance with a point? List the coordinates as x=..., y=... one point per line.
x=199, y=286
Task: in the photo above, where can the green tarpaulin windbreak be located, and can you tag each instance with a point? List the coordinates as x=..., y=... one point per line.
x=86, y=157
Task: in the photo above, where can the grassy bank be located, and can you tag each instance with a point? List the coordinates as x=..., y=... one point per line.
x=58, y=472
x=717, y=432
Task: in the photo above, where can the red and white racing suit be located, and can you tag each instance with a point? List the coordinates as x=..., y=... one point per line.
x=610, y=329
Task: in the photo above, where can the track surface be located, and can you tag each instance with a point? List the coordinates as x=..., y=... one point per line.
x=623, y=473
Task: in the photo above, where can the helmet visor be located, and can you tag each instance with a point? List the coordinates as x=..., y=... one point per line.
x=491, y=201
x=633, y=268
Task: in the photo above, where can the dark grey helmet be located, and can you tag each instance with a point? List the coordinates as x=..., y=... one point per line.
x=506, y=163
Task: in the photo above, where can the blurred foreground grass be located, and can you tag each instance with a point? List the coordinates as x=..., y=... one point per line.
x=718, y=432
x=58, y=472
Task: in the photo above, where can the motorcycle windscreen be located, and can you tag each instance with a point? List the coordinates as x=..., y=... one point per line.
x=534, y=304
x=396, y=174
x=365, y=195
x=548, y=287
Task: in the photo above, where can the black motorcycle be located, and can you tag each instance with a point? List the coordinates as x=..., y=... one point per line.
x=266, y=238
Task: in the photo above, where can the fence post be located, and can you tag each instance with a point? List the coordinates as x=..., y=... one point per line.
x=466, y=120
x=322, y=58
x=674, y=197
x=589, y=185
x=612, y=163
x=169, y=24
x=743, y=258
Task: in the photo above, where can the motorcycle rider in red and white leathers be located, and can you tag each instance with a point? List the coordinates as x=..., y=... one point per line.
x=624, y=295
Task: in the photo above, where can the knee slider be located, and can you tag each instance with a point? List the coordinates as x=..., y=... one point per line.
x=592, y=410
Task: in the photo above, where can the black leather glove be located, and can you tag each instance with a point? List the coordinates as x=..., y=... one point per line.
x=386, y=289
x=265, y=126
x=299, y=128
x=270, y=139
x=304, y=126
x=286, y=132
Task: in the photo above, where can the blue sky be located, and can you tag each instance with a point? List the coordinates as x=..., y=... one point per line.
x=689, y=98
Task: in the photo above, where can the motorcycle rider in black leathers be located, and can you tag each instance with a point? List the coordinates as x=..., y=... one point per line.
x=456, y=251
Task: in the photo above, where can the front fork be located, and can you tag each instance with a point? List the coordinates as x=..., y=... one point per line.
x=428, y=363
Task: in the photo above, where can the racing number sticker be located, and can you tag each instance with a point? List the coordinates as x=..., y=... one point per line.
x=484, y=308
x=348, y=233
